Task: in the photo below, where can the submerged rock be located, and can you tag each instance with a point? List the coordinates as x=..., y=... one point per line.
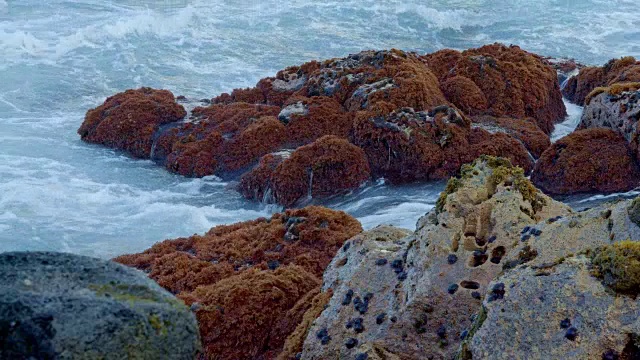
x=63, y=306
x=597, y=160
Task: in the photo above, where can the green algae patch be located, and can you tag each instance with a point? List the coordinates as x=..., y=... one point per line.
x=452, y=186
x=618, y=266
x=502, y=171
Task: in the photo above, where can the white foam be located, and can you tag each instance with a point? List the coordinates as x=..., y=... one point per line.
x=574, y=113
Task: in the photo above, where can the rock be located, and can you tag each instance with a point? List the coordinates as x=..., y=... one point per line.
x=321, y=116
x=569, y=165
x=128, y=120
x=524, y=130
x=622, y=70
x=566, y=68
x=63, y=306
x=328, y=166
x=527, y=321
x=519, y=84
x=223, y=139
x=499, y=144
x=493, y=200
x=617, y=108
x=245, y=308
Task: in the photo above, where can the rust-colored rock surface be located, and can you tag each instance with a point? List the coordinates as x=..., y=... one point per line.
x=251, y=284
x=328, y=166
x=128, y=120
x=526, y=130
x=509, y=82
x=587, y=160
x=399, y=115
x=626, y=69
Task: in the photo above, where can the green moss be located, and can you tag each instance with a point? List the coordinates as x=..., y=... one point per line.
x=618, y=266
x=452, y=186
x=158, y=325
x=634, y=211
x=134, y=294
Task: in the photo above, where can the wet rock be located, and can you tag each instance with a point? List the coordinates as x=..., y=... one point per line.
x=617, y=108
x=622, y=70
x=519, y=84
x=212, y=270
x=128, y=120
x=569, y=166
x=328, y=166
x=524, y=130
x=47, y=298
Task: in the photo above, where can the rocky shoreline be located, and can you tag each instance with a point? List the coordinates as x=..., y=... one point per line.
x=498, y=269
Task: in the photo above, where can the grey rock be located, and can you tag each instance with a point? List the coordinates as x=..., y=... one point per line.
x=527, y=323
x=426, y=320
x=64, y=306
x=617, y=112
x=294, y=109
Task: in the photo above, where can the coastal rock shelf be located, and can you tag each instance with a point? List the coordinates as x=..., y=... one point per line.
x=495, y=263
x=388, y=114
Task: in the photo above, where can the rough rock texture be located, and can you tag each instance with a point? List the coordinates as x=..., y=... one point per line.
x=623, y=70
x=409, y=114
x=571, y=166
x=411, y=296
x=524, y=130
x=617, y=108
x=308, y=119
x=409, y=145
x=328, y=166
x=63, y=306
x=561, y=311
x=233, y=273
x=128, y=120
x=500, y=81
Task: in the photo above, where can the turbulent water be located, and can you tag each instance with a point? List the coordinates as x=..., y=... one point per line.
x=59, y=58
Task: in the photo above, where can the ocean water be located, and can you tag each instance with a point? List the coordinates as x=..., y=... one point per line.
x=59, y=58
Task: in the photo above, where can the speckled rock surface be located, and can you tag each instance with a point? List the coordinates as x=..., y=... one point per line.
x=413, y=296
x=619, y=111
x=559, y=312
x=63, y=306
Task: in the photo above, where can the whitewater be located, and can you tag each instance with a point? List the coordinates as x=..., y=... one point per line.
x=60, y=58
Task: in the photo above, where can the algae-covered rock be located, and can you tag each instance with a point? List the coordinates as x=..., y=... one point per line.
x=63, y=306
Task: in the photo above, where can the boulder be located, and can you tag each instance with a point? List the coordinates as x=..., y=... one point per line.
x=128, y=120
x=328, y=166
x=571, y=166
x=525, y=130
x=250, y=284
x=409, y=145
x=617, y=108
x=308, y=119
x=559, y=311
x=63, y=306
x=501, y=81
x=623, y=70
x=411, y=295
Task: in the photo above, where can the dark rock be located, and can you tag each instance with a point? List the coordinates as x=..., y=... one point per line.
x=47, y=299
